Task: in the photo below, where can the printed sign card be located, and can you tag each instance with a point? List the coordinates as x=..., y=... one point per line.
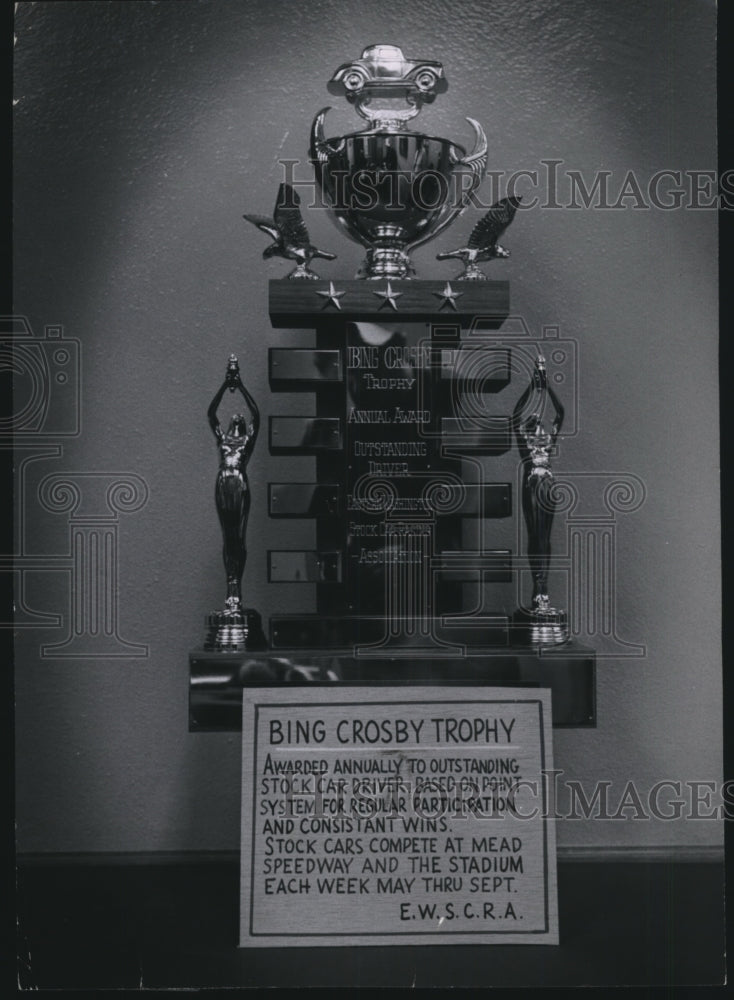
x=397, y=816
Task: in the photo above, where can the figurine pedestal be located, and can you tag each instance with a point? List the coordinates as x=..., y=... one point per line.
x=234, y=631
x=548, y=627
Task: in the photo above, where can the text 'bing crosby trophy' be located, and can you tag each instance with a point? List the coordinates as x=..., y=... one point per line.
x=235, y=627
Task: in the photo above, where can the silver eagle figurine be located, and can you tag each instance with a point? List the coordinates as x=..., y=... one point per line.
x=288, y=230
x=483, y=243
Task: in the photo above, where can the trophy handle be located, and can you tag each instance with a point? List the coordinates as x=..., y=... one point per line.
x=476, y=161
x=320, y=150
x=321, y=147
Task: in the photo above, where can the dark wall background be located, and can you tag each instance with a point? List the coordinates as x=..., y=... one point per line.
x=143, y=132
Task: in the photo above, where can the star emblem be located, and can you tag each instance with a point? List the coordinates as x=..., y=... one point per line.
x=448, y=296
x=388, y=295
x=332, y=296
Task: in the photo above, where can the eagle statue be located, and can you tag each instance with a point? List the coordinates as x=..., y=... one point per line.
x=288, y=230
x=483, y=243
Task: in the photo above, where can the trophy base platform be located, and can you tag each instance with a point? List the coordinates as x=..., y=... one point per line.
x=234, y=631
x=218, y=677
x=548, y=627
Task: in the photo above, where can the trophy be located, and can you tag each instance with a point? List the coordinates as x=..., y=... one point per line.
x=235, y=627
x=541, y=624
x=390, y=188
x=387, y=555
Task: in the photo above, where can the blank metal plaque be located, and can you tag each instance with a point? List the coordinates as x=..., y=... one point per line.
x=303, y=369
x=305, y=435
x=303, y=499
x=490, y=437
x=304, y=567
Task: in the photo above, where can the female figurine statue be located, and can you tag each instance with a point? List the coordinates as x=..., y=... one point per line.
x=232, y=489
x=538, y=503
x=229, y=629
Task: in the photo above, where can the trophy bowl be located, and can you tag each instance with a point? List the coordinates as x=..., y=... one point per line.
x=390, y=191
x=390, y=188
